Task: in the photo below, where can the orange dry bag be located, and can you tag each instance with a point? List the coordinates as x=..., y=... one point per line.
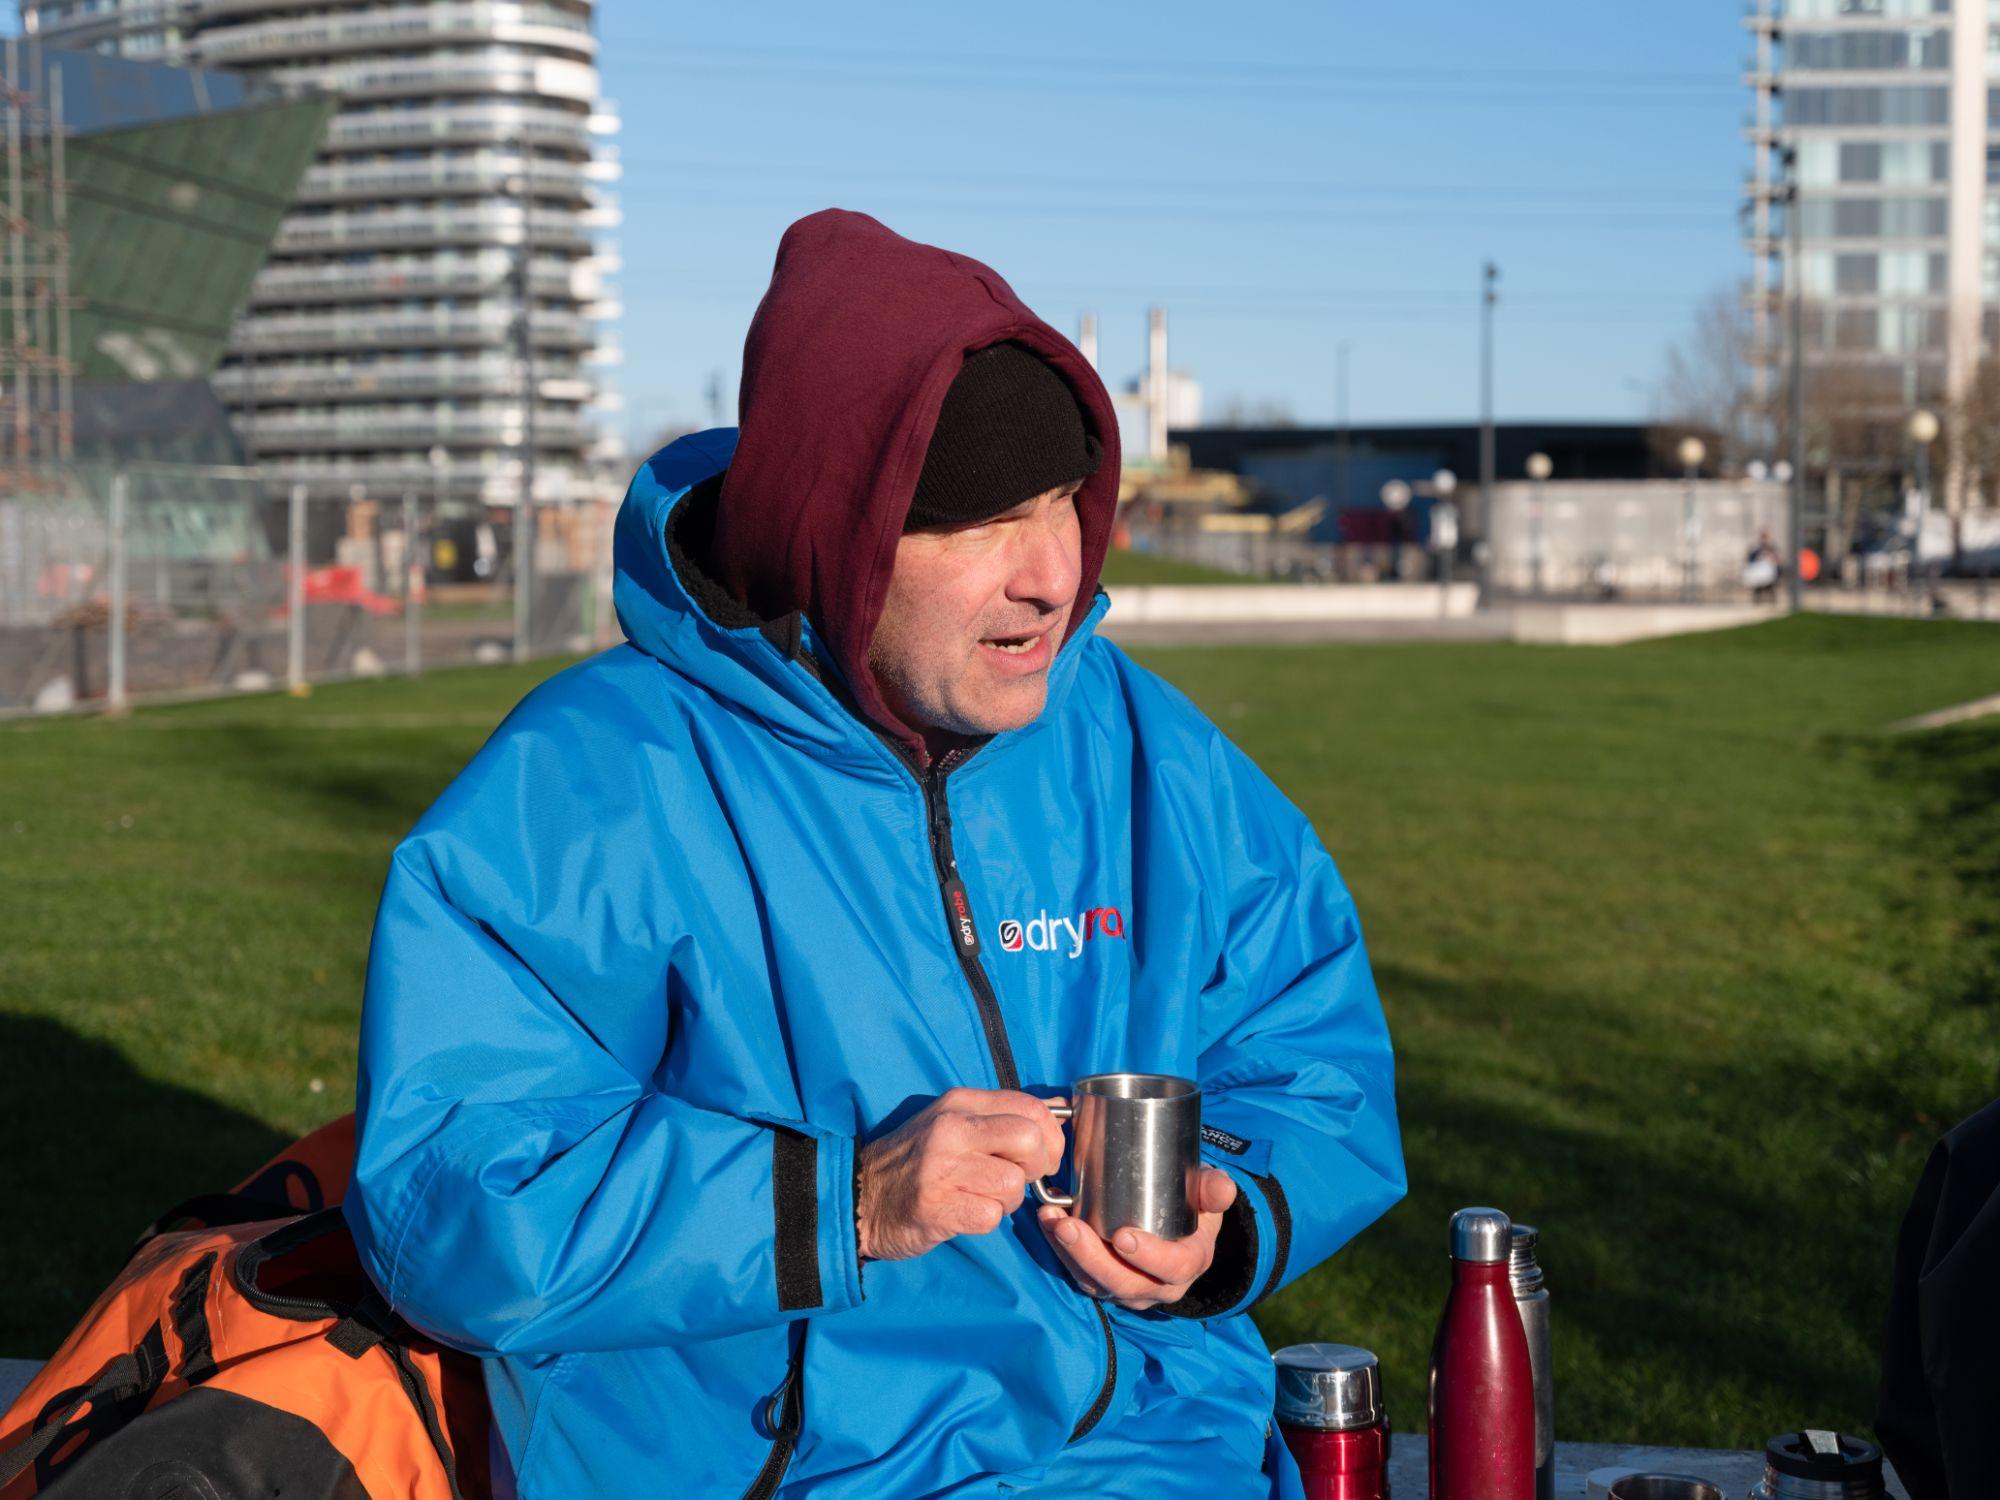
x=250, y=1358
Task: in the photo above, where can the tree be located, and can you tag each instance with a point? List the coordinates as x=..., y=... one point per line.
x=1855, y=409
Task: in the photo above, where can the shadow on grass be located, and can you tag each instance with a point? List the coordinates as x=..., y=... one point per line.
x=382, y=783
x=1717, y=1265
x=1957, y=772
x=92, y=1152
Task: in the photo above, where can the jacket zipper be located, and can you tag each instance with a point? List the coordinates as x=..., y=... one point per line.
x=958, y=917
x=965, y=942
x=785, y=1411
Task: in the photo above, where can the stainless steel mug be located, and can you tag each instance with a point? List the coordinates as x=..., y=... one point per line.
x=1664, y=1487
x=1137, y=1153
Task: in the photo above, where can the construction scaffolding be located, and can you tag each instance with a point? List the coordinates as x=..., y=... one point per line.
x=37, y=367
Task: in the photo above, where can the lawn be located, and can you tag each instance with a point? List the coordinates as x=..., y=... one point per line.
x=1686, y=963
x=1122, y=567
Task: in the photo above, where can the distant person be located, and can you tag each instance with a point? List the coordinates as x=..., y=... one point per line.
x=1763, y=568
x=712, y=1009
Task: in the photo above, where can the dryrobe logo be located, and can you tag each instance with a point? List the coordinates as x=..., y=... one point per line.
x=1065, y=935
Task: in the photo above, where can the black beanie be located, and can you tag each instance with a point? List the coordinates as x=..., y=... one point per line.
x=1009, y=429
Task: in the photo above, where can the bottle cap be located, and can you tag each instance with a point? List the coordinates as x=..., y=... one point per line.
x=1480, y=1234
x=1329, y=1387
x=1816, y=1453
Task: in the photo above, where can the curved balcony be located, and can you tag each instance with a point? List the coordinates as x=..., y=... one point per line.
x=444, y=329
x=364, y=429
x=268, y=382
x=459, y=125
x=525, y=23
x=417, y=228
x=559, y=475
x=496, y=71
x=490, y=272
x=484, y=176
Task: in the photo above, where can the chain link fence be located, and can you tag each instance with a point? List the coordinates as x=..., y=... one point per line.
x=118, y=584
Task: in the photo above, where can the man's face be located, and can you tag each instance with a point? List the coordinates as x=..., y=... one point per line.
x=974, y=615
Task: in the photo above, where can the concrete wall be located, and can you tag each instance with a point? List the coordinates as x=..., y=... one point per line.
x=1631, y=535
x=1230, y=603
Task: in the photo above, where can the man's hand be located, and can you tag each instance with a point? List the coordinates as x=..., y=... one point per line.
x=1136, y=1269
x=958, y=1167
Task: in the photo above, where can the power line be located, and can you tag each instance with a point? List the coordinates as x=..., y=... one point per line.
x=1592, y=96
x=988, y=207
x=1005, y=71
x=1098, y=186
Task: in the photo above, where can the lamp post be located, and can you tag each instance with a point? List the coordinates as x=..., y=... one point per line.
x=1395, y=497
x=1444, y=533
x=1923, y=432
x=1691, y=452
x=1539, y=467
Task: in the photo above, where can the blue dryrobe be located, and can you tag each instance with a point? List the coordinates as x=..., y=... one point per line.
x=675, y=941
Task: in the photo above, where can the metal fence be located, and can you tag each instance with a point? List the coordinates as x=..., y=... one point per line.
x=121, y=584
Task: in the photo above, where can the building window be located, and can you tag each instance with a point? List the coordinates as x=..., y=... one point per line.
x=1896, y=104
x=1856, y=273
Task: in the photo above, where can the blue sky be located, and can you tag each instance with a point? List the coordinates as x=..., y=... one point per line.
x=1282, y=177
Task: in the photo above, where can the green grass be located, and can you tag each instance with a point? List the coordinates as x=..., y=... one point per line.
x=1685, y=962
x=1129, y=568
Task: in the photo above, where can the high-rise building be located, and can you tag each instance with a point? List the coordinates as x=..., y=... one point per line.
x=464, y=176
x=1881, y=112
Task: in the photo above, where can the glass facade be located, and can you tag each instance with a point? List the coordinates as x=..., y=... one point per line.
x=468, y=135
x=1860, y=94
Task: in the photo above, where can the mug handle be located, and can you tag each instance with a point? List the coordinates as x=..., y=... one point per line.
x=1041, y=1184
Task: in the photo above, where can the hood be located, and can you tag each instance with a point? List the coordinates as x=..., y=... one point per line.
x=845, y=367
x=765, y=670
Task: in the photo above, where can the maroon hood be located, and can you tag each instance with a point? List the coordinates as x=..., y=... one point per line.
x=846, y=364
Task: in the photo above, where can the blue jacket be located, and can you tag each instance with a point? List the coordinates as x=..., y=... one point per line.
x=676, y=940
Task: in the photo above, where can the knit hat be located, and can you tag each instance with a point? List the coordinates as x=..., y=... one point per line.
x=1009, y=429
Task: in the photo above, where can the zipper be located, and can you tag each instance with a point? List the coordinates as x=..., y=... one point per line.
x=1103, y=1402
x=784, y=1410
x=419, y=1392
x=958, y=917
x=965, y=942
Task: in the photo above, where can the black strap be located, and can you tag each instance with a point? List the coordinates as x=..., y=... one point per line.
x=190, y=1314
x=795, y=1215
x=118, y=1394
x=367, y=1325
x=214, y=1211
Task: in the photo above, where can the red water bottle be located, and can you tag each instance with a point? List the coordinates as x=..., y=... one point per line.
x=1482, y=1388
x=1329, y=1407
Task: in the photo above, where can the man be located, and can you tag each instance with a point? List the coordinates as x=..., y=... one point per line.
x=712, y=1009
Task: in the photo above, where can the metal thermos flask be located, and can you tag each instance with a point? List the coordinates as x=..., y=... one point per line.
x=1329, y=1407
x=1482, y=1398
x=1532, y=1298
x=1817, y=1464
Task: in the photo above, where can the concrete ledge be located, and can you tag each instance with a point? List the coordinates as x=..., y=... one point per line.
x=14, y=1377
x=1617, y=624
x=1204, y=603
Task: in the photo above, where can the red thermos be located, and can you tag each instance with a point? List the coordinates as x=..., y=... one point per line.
x=1482, y=1388
x=1329, y=1407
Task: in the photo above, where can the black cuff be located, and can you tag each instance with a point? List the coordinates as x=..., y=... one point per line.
x=1227, y=1280
x=795, y=1216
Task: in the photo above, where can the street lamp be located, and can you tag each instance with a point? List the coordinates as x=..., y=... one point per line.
x=1923, y=432
x=1691, y=452
x=1539, y=467
x=1444, y=533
